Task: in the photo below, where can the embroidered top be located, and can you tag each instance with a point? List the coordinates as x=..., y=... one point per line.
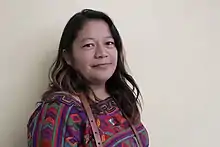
x=62, y=122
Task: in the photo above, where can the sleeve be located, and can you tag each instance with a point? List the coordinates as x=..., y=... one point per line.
x=55, y=125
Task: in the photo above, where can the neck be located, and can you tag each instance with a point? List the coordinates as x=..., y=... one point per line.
x=99, y=91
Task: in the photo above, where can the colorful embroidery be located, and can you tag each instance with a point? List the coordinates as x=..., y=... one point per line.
x=62, y=122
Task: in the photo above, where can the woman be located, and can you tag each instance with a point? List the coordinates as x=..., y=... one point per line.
x=92, y=100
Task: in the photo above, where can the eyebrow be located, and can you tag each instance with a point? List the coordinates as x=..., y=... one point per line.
x=109, y=37
x=90, y=38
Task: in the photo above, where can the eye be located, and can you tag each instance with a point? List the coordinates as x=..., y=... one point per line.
x=88, y=45
x=110, y=43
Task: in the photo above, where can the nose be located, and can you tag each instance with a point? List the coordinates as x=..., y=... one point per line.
x=100, y=51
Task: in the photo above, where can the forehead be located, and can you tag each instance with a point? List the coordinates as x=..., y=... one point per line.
x=94, y=29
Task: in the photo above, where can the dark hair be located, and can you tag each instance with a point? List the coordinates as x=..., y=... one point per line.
x=64, y=78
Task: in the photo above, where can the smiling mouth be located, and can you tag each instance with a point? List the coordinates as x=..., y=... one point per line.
x=101, y=65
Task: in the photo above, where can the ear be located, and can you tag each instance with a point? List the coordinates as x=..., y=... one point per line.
x=67, y=57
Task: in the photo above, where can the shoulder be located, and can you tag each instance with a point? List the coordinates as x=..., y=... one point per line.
x=59, y=112
x=57, y=105
x=63, y=98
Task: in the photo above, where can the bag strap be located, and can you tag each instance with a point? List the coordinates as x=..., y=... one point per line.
x=95, y=130
x=92, y=120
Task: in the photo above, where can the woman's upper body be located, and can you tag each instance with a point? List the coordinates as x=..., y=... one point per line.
x=90, y=60
x=62, y=122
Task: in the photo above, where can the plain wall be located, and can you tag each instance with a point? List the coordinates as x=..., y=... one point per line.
x=172, y=48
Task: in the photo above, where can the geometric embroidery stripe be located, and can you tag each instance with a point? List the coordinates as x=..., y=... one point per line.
x=35, y=122
x=64, y=129
x=120, y=141
x=42, y=116
x=55, y=132
x=34, y=127
x=123, y=135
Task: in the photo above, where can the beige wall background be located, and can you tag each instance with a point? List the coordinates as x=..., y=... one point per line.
x=172, y=48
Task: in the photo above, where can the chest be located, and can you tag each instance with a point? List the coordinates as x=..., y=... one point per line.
x=114, y=129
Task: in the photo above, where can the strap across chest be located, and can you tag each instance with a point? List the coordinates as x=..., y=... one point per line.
x=94, y=127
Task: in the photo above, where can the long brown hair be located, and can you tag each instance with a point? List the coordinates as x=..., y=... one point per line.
x=64, y=78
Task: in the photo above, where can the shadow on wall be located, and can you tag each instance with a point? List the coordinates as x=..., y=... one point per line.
x=38, y=59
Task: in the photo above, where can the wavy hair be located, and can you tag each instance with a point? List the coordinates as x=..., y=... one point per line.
x=121, y=86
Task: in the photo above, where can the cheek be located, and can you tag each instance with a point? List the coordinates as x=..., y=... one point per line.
x=81, y=61
x=115, y=57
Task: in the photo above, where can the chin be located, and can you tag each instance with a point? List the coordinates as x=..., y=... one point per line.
x=101, y=79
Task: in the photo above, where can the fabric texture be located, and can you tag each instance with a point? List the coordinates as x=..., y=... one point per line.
x=61, y=121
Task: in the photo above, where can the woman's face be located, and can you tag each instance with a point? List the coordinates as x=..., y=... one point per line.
x=94, y=52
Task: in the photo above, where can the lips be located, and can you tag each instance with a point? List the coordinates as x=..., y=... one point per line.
x=101, y=65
